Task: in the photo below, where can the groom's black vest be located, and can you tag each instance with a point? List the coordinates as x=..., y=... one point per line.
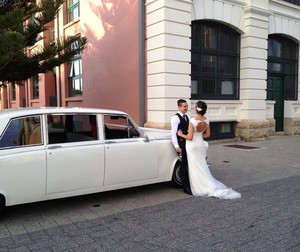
x=183, y=126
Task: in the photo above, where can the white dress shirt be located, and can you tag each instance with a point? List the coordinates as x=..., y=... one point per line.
x=174, y=128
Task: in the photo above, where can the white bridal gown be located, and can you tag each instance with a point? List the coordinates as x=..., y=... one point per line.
x=201, y=180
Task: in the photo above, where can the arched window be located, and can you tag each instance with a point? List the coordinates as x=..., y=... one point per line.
x=283, y=61
x=215, y=61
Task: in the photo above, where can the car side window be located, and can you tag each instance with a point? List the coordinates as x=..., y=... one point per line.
x=67, y=128
x=23, y=131
x=119, y=127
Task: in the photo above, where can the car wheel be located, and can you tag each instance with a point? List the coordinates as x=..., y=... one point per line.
x=176, y=179
x=2, y=204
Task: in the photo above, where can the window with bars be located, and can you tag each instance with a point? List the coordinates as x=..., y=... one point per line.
x=215, y=61
x=73, y=9
x=222, y=130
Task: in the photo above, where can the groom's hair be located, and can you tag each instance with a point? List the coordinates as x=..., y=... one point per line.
x=180, y=101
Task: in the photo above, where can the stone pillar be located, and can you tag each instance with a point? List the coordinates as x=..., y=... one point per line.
x=20, y=93
x=168, y=58
x=254, y=124
x=292, y=118
x=292, y=111
x=3, y=96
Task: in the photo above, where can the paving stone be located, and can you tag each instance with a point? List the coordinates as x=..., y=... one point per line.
x=83, y=239
x=266, y=218
x=21, y=249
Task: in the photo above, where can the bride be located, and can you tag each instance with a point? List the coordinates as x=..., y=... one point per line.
x=201, y=180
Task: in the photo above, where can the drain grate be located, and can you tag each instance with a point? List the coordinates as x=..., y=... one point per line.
x=245, y=147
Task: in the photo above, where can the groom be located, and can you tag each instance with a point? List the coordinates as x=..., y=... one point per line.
x=180, y=121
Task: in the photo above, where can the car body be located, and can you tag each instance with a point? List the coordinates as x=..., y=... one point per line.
x=49, y=153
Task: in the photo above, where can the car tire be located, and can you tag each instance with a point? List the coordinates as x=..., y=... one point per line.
x=2, y=204
x=176, y=179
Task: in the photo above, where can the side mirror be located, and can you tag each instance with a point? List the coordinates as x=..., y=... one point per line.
x=146, y=138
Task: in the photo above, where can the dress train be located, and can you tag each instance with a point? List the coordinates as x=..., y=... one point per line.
x=201, y=180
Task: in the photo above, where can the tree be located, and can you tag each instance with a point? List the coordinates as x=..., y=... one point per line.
x=21, y=25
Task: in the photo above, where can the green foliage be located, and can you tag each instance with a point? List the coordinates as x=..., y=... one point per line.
x=21, y=24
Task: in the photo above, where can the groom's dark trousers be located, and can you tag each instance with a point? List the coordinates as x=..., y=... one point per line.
x=183, y=126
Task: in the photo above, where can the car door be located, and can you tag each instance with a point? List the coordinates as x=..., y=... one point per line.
x=75, y=157
x=23, y=160
x=129, y=157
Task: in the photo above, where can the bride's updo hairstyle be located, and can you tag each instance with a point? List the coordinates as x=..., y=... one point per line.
x=201, y=107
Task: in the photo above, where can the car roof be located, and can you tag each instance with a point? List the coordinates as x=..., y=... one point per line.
x=45, y=110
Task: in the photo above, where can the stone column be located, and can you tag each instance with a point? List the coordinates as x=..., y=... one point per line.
x=254, y=124
x=292, y=110
x=3, y=96
x=168, y=58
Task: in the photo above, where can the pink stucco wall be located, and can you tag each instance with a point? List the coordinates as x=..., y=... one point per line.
x=110, y=62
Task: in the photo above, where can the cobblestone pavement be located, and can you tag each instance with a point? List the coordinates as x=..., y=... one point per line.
x=161, y=218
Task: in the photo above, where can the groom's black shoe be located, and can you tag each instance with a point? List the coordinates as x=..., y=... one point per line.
x=187, y=191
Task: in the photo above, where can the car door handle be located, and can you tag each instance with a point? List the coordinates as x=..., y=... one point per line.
x=110, y=142
x=54, y=147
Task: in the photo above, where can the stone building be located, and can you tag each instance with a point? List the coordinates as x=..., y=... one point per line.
x=240, y=56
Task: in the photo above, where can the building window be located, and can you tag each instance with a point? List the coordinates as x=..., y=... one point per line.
x=73, y=10
x=75, y=77
x=283, y=61
x=296, y=2
x=52, y=35
x=3, y=2
x=222, y=130
x=215, y=61
x=35, y=87
x=13, y=91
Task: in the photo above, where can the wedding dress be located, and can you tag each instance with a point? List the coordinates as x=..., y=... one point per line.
x=201, y=180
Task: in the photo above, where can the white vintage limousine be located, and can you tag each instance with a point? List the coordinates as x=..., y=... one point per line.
x=50, y=153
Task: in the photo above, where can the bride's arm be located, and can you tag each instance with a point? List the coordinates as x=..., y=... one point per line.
x=190, y=135
x=206, y=134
